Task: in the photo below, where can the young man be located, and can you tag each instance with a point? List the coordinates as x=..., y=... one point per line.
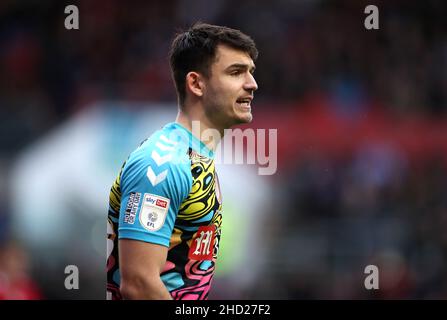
x=164, y=221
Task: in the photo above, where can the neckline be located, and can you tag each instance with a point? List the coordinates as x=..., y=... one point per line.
x=195, y=143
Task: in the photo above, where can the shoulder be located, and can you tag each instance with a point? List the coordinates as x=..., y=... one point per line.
x=163, y=156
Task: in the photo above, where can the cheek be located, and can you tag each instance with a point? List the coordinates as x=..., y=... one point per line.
x=223, y=93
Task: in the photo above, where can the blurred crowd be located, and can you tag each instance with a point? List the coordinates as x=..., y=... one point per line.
x=372, y=207
x=120, y=52
x=375, y=205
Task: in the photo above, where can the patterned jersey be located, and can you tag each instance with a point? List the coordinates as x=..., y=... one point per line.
x=168, y=193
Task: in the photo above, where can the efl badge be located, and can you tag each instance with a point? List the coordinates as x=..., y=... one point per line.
x=153, y=211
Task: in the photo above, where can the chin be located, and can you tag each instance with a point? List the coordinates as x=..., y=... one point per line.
x=240, y=117
x=249, y=119
x=246, y=118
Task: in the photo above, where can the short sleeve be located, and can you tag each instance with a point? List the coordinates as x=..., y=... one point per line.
x=154, y=183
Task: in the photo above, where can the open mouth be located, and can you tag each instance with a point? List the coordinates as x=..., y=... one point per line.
x=244, y=102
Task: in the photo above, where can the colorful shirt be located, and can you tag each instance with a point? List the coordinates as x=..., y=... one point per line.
x=168, y=193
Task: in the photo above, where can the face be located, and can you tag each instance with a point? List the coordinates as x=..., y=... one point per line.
x=228, y=91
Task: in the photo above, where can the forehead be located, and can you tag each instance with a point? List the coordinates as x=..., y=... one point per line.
x=226, y=56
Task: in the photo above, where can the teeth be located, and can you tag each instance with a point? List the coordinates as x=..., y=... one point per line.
x=244, y=102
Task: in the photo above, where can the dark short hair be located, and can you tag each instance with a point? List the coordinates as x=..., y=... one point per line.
x=195, y=50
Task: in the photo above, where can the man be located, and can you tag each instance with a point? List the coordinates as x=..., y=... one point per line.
x=164, y=221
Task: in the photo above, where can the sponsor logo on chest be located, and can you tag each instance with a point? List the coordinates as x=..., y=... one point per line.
x=202, y=245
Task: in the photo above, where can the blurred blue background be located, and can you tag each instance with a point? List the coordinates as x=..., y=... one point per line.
x=362, y=144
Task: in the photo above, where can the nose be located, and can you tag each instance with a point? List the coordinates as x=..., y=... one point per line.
x=250, y=83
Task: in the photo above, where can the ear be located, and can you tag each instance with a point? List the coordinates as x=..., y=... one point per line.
x=194, y=83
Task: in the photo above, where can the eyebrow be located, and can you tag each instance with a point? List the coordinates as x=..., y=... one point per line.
x=242, y=66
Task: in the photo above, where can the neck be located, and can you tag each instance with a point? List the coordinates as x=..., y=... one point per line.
x=201, y=127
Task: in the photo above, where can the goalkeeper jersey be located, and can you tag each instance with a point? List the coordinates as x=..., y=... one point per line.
x=168, y=193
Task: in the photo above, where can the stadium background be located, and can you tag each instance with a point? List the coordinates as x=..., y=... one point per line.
x=362, y=143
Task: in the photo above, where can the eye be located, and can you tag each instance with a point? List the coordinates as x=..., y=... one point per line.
x=236, y=73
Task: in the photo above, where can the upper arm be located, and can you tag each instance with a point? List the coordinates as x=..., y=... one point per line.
x=140, y=260
x=152, y=190
x=140, y=266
